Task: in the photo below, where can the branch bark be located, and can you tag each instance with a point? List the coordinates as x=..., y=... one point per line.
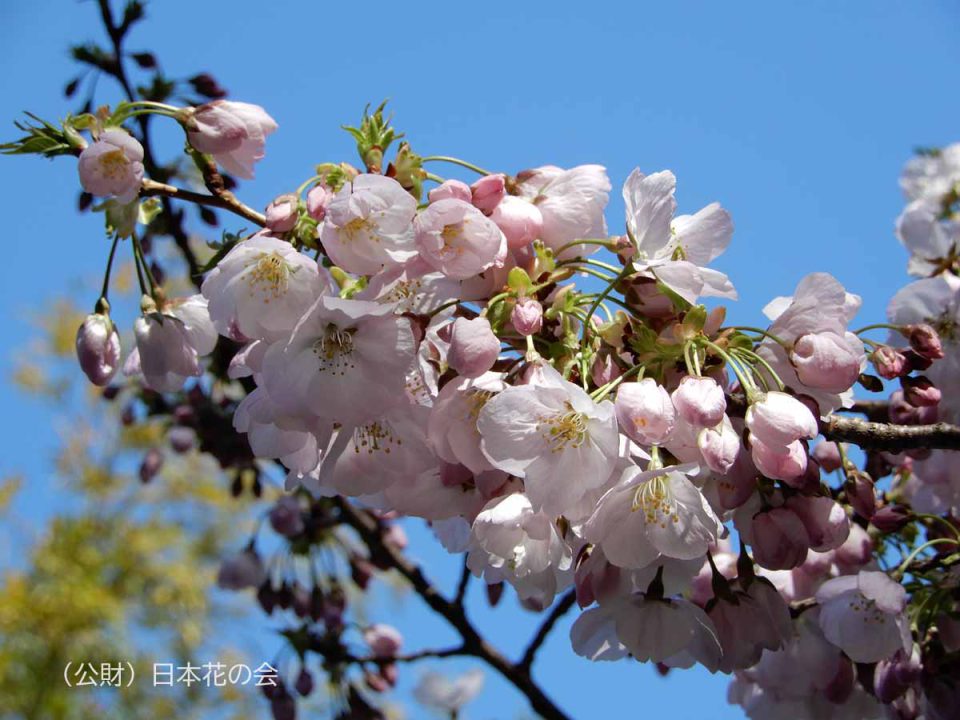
x=369, y=530
x=890, y=437
x=224, y=201
x=558, y=611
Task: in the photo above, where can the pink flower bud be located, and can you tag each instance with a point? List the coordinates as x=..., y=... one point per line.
x=242, y=570
x=318, y=200
x=527, y=317
x=281, y=214
x=890, y=519
x=233, y=132
x=98, y=348
x=780, y=541
x=645, y=412
x=286, y=517
x=894, y=675
x=473, y=347
x=925, y=341
x=903, y=413
x=112, y=166
x=889, y=362
x=151, y=464
x=920, y=392
x=700, y=401
x=384, y=641
x=487, y=192
x=520, y=221
x=824, y=519
x=861, y=493
x=182, y=439
x=778, y=419
x=828, y=455
x=719, y=446
x=788, y=464
x=827, y=361
x=450, y=189
x=604, y=370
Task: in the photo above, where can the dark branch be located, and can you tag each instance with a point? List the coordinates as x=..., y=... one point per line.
x=224, y=201
x=465, y=575
x=370, y=531
x=886, y=436
x=558, y=611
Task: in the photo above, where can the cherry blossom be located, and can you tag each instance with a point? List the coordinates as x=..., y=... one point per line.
x=112, y=166
x=233, y=132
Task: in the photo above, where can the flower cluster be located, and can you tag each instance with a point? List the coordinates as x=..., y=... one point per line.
x=573, y=423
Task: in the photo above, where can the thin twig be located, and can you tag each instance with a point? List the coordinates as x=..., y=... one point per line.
x=465, y=576
x=558, y=611
x=224, y=201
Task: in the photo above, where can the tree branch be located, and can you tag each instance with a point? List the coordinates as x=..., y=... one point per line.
x=411, y=657
x=224, y=201
x=369, y=530
x=465, y=576
x=890, y=437
x=558, y=611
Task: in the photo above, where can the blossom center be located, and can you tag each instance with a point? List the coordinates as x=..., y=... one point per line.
x=563, y=430
x=113, y=164
x=269, y=276
x=375, y=437
x=450, y=235
x=860, y=604
x=656, y=501
x=359, y=226
x=335, y=350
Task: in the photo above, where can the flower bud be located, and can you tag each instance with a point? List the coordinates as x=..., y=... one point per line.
x=318, y=200
x=181, y=439
x=384, y=641
x=645, y=412
x=828, y=455
x=827, y=361
x=473, y=347
x=719, y=446
x=281, y=214
x=243, y=570
x=860, y=493
x=889, y=362
x=890, y=519
x=777, y=419
x=98, y=348
x=520, y=221
x=916, y=362
x=924, y=340
x=527, y=316
x=487, y=192
x=892, y=676
x=304, y=683
x=780, y=541
x=841, y=686
x=920, y=392
x=788, y=464
x=450, y=189
x=150, y=465
x=824, y=520
x=604, y=370
x=286, y=517
x=903, y=413
x=699, y=401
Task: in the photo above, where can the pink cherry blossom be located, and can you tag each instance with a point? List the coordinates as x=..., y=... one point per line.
x=828, y=361
x=778, y=419
x=863, y=615
x=233, y=132
x=645, y=412
x=261, y=288
x=823, y=518
x=112, y=166
x=456, y=189
x=281, y=213
x=319, y=198
x=369, y=225
x=719, y=446
x=384, y=641
x=452, y=428
x=473, y=347
x=170, y=342
x=98, y=348
x=779, y=539
x=699, y=401
x=780, y=463
x=527, y=316
x=458, y=240
x=520, y=220
x=487, y=192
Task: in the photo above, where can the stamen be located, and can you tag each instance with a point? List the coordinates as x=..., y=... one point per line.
x=563, y=430
x=657, y=502
x=269, y=276
x=375, y=437
x=335, y=350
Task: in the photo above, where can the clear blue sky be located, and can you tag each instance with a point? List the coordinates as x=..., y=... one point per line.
x=795, y=116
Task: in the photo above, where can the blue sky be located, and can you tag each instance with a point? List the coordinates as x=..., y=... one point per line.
x=795, y=116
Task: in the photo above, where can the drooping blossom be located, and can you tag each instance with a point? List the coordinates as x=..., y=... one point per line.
x=520, y=221
x=452, y=428
x=863, y=615
x=170, y=343
x=233, y=132
x=261, y=288
x=645, y=411
x=473, y=347
x=369, y=225
x=778, y=419
x=112, y=166
x=699, y=401
x=653, y=513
